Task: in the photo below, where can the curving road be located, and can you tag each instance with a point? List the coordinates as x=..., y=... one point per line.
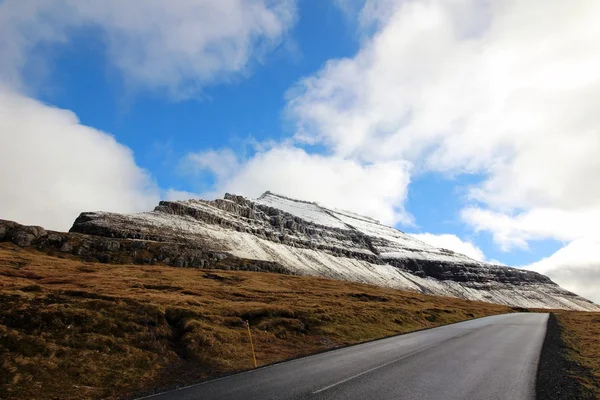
x=489, y=358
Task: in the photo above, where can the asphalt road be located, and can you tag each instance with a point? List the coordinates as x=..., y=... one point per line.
x=489, y=358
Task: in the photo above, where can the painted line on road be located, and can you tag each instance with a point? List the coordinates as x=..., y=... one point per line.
x=390, y=362
x=373, y=369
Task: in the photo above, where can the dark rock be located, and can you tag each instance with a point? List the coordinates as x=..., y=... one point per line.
x=55, y=239
x=22, y=238
x=66, y=248
x=21, y=235
x=469, y=273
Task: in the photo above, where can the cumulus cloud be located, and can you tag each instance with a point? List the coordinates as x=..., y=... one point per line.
x=176, y=46
x=451, y=242
x=515, y=230
x=377, y=189
x=222, y=163
x=54, y=167
x=575, y=267
x=174, y=194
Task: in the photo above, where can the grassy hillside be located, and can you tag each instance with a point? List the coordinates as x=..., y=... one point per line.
x=70, y=329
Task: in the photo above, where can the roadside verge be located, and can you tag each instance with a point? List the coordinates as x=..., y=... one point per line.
x=559, y=375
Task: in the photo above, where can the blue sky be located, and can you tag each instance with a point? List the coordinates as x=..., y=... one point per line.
x=465, y=122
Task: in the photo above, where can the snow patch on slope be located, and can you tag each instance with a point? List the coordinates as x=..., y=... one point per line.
x=310, y=212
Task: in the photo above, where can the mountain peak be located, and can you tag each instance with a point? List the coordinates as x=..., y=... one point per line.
x=279, y=199
x=279, y=234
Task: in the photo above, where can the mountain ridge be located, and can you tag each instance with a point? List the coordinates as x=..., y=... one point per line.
x=279, y=234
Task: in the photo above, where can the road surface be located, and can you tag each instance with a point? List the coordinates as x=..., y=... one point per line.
x=489, y=358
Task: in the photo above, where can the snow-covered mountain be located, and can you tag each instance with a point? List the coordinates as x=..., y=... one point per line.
x=280, y=234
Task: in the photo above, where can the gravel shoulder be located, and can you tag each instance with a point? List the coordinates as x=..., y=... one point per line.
x=561, y=373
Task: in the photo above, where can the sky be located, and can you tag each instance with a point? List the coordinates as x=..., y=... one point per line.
x=471, y=124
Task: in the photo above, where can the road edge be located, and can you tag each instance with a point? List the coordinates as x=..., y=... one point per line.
x=554, y=376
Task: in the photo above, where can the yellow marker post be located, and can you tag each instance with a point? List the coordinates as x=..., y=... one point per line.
x=251, y=344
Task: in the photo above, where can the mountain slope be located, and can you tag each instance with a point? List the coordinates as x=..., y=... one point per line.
x=73, y=330
x=304, y=238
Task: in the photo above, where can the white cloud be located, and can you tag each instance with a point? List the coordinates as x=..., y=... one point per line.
x=517, y=229
x=377, y=190
x=174, y=194
x=575, y=267
x=222, y=163
x=176, y=46
x=54, y=167
x=451, y=242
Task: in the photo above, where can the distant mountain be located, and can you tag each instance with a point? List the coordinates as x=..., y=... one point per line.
x=279, y=234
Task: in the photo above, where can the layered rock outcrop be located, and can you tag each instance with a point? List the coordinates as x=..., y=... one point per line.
x=98, y=248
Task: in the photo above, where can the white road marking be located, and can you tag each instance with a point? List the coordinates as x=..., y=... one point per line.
x=374, y=369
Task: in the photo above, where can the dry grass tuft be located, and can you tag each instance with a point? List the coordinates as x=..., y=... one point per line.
x=581, y=335
x=84, y=330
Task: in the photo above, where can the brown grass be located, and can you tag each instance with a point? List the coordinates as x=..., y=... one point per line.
x=581, y=335
x=74, y=330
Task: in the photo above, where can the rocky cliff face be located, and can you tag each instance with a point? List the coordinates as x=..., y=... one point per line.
x=98, y=248
x=278, y=234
